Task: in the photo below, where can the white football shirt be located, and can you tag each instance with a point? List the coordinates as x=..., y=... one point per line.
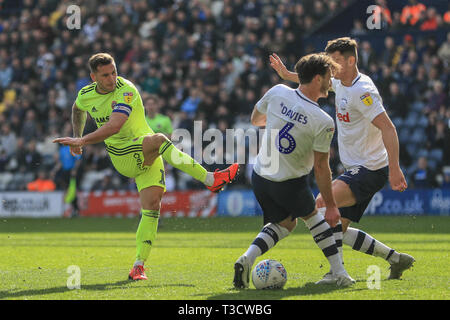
x=360, y=142
x=296, y=127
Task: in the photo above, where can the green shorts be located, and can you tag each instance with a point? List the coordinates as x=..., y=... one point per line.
x=128, y=160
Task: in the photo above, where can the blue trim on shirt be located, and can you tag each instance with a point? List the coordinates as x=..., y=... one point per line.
x=122, y=111
x=359, y=77
x=307, y=100
x=123, y=105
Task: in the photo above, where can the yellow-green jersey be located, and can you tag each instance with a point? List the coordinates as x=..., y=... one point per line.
x=125, y=147
x=125, y=99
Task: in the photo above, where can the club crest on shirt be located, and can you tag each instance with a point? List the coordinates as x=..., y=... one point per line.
x=128, y=97
x=366, y=99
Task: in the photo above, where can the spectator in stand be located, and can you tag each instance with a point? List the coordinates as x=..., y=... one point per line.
x=446, y=17
x=105, y=184
x=423, y=177
x=445, y=178
x=8, y=139
x=437, y=98
x=157, y=121
x=366, y=56
x=6, y=74
x=27, y=157
x=436, y=140
x=30, y=129
x=396, y=102
x=382, y=11
x=67, y=165
x=4, y=160
x=42, y=183
x=191, y=103
x=389, y=52
x=358, y=28
x=411, y=13
x=430, y=21
x=444, y=51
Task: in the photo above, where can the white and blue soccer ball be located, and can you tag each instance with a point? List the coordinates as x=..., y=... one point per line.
x=269, y=274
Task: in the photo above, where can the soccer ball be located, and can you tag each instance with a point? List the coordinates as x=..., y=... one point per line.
x=269, y=274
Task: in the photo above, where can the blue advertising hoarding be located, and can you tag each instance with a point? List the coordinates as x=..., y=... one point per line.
x=384, y=202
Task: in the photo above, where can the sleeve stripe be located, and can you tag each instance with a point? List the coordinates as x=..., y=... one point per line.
x=123, y=105
x=122, y=111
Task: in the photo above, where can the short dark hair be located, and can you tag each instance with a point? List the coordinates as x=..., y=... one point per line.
x=99, y=59
x=345, y=46
x=314, y=64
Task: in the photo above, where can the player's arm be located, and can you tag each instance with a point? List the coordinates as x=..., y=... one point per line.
x=258, y=118
x=322, y=173
x=280, y=68
x=390, y=140
x=113, y=126
x=78, y=121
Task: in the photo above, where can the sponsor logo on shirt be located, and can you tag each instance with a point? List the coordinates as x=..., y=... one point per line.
x=101, y=120
x=343, y=117
x=366, y=99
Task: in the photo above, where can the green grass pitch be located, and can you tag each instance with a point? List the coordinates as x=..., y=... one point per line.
x=193, y=259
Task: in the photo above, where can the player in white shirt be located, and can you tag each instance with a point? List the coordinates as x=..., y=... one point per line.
x=368, y=149
x=302, y=141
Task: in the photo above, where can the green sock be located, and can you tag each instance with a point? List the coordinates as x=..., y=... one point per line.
x=182, y=161
x=146, y=233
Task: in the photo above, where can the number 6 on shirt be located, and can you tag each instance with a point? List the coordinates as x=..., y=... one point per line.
x=285, y=135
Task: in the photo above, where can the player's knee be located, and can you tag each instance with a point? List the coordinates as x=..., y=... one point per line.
x=154, y=141
x=289, y=224
x=153, y=203
x=292, y=225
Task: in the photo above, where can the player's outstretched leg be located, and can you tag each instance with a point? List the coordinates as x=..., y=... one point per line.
x=363, y=242
x=323, y=236
x=270, y=234
x=158, y=144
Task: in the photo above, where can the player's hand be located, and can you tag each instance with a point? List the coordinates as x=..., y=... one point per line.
x=319, y=202
x=397, y=179
x=332, y=216
x=278, y=66
x=75, y=144
x=76, y=151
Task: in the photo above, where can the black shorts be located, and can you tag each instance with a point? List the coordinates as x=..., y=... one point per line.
x=280, y=200
x=364, y=183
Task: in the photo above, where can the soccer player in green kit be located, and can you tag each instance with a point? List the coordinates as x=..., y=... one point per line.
x=135, y=150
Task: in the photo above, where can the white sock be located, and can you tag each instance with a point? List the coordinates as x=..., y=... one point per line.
x=363, y=242
x=323, y=236
x=337, y=233
x=270, y=234
x=209, y=180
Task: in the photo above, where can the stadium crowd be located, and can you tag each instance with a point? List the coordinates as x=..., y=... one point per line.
x=200, y=60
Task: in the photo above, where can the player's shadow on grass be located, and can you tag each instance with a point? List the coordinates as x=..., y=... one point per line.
x=124, y=284
x=309, y=288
